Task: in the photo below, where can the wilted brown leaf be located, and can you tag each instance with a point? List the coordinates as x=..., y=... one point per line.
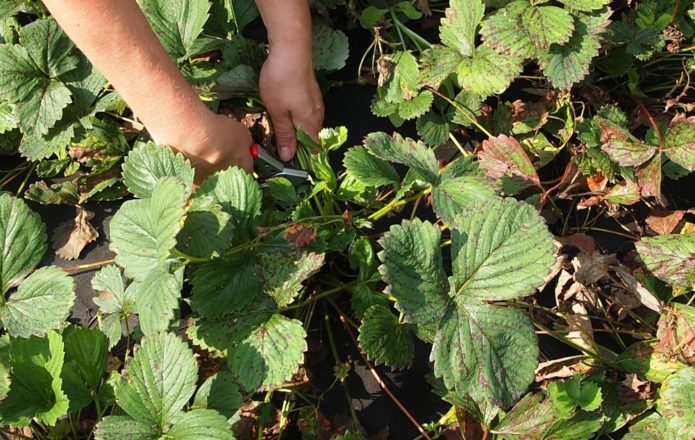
x=300, y=235
x=590, y=268
x=561, y=368
x=664, y=222
x=70, y=238
x=676, y=333
x=634, y=389
x=581, y=241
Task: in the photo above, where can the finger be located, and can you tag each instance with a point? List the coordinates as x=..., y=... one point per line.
x=285, y=136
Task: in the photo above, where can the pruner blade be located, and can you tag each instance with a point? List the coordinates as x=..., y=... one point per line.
x=268, y=166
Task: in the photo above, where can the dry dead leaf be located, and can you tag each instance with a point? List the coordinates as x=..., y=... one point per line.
x=634, y=389
x=70, y=238
x=300, y=235
x=664, y=222
x=645, y=297
x=581, y=241
x=424, y=7
x=561, y=368
x=579, y=327
x=590, y=268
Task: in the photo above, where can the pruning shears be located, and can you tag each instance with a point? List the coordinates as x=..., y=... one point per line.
x=268, y=166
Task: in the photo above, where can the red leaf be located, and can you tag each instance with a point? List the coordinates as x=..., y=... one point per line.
x=504, y=156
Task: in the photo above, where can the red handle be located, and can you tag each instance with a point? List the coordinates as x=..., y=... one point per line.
x=253, y=149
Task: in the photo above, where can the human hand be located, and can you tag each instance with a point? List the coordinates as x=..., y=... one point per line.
x=216, y=142
x=292, y=96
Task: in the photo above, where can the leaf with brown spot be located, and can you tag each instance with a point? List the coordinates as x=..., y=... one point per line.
x=71, y=237
x=680, y=141
x=670, y=257
x=676, y=333
x=300, y=235
x=626, y=193
x=622, y=147
x=504, y=156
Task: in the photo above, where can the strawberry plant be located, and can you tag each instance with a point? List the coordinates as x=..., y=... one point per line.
x=478, y=244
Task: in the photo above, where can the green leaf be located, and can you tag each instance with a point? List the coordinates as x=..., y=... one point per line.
x=143, y=232
x=546, y=25
x=486, y=352
x=437, y=63
x=112, y=298
x=86, y=356
x=644, y=359
x=417, y=106
x=500, y=251
x=148, y=163
x=405, y=151
x=488, y=72
x=156, y=300
x=670, y=257
x=123, y=427
x=568, y=64
x=586, y=5
x=450, y=196
x=572, y=393
x=413, y=268
x=159, y=381
x=208, y=230
x=502, y=31
x=200, y=424
x=224, y=286
x=368, y=169
x=30, y=75
x=22, y=241
x=329, y=46
x=239, y=195
x=42, y=302
x=245, y=11
x=531, y=418
x=651, y=427
x=403, y=81
x=282, y=272
x=458, y=27
x=221, y=393
x=36, y=390
x=433, y=129
x=177, y=23
x=680, y=141
x=384, y=339
x=677, y=404
x=269, y=354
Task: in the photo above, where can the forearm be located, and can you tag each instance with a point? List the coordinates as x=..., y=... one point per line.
x=289, y=27
x=118, y=40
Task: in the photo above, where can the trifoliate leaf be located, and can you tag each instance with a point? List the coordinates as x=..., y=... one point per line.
x=22, y=240
x=159, y=381
x=224, y=286
x=143, y=232
x=677, y=404
x=680, y=142
x=486, y=352
x=488, y=72
x=200, y=424
x=450, y=196
x=282, y=272
x=503, y=157
x=148, y=163
x=403, y=81
x=546, y=25
x=572, y=393
x=30, y=75
x=568, y=64
x=641, y=42
x=670, y=257
x=405, y=151
x=208, y=230
x=239, y=195
x=42, y=302
x=269, y=354
x=502, y=31
x=156, y=300
x=177, y=23
x=368, y=169
x=219, y=392
x=499, y=252
x=330, y=47
x=86, y=356
x=413, y=268
x=458, y=27
x=36, y=390
x=385, y=340
x=436, y=64
x=417, y=106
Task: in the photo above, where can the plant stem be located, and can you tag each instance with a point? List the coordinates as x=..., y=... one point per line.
x=463, y=111
x=324, y=294
x=88, y=266
x=397, y=203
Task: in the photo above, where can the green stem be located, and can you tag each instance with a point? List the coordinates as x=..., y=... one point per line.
x=398, y=29
x=319, y=296
x=462, y=110
x=396, y=204
x=417, y=39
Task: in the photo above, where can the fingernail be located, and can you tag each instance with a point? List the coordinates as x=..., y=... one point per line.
x=285, y=153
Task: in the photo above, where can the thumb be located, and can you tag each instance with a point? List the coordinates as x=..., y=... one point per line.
x=285, y=136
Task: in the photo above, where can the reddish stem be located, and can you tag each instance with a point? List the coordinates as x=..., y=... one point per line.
x=653, y=122
x=381, y=383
